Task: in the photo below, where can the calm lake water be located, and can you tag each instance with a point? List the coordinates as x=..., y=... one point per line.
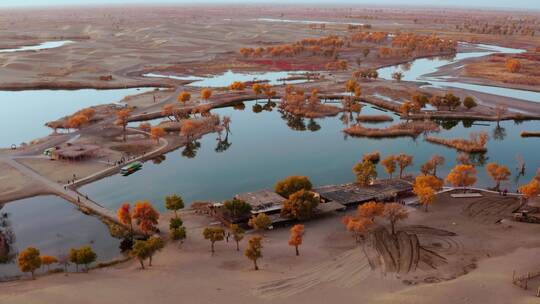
x=225, y=79
x=54, y=225
x=38, y=47
x=264, y=148
x=418, y=69
x=261, y=149
x=24, y=113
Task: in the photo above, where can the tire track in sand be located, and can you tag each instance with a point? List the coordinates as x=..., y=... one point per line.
x=346, y=270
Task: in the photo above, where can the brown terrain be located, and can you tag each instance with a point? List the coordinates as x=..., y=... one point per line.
x=461, y=251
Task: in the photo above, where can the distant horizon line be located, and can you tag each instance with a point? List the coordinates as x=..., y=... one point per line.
x=344, y=4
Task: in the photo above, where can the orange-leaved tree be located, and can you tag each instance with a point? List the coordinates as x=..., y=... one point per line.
x=124, y=215
x=257, y=89
x=425, y=187
x=47, y=260
x=359, y=226
x=122, y=117
x=157, y=133
x=184, y=97
x=206, y=94
x=403, y=161
x=462, y=176
x=145, y=216
x=530, y=190
x=29, y=260
x=370, y=210
x=513, y=65
x=237, y=86
x=395, y=212
x=498, y=173
x=297, y=236
x=254, y=250
x=389, y=164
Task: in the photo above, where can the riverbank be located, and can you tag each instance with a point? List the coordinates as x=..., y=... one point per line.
x=484, y=251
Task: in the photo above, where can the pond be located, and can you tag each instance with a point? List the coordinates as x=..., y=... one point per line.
x=267, y=146
x=38, y=47
x=24, y=113
x=225, y=79
x=54, y=225
x=419, y=70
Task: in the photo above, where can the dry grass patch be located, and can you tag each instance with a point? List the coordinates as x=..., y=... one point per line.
x=411, y=129
x=476, y=143
x=374, y=118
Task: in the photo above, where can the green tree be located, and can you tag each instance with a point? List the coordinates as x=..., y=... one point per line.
x=140, y=251
x=73, y=258
x=29, y=260
x=238, y=234
x=214, y=234
x=254, y=250
x=300, y=205
x=155, y=244
x=86, y=256
x=292, y=184
x=176, y=229
x=174, y=203
x=260, y=222
x=237, y=208
x=178, y=233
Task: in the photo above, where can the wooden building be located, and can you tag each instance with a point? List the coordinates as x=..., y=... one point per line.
x=352, y=194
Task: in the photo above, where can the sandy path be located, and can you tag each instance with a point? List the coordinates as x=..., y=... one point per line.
x=346, y=270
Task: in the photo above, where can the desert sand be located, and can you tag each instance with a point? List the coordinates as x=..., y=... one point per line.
x=481, y=258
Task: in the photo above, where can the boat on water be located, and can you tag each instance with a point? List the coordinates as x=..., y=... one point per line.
x=131, y=168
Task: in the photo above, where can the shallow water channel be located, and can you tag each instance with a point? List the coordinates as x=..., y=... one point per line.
x=419, y=69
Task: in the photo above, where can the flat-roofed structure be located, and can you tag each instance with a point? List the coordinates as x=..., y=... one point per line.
x=354, y=194
x=262, y=201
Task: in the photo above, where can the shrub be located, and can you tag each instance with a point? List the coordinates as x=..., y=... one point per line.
x=292, y=184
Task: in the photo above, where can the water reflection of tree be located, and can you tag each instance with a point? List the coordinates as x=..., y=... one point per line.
x=478, y=159
x=405, y=67
x=294, y=122
x=190, y=150
x=269, y=106
x=159, y=159
x=223, y=143
x=257, y=108
x=467, y=123
x=313, y=126
x=449, y=57
x=447, y=124
x=239, y=106
x=7, y=239
x=499, y=133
